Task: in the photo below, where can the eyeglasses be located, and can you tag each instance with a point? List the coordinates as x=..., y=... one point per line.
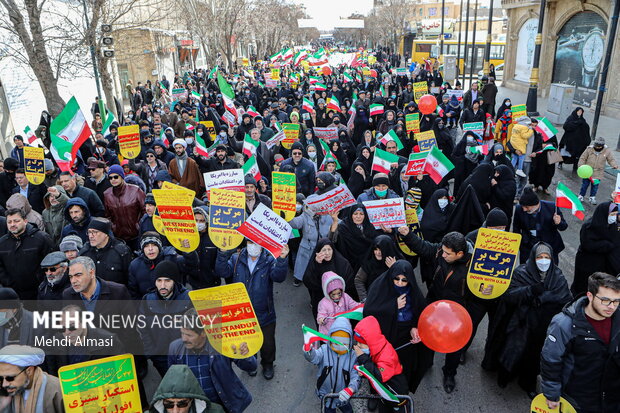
x=401, y=280
x=296, y=153
x=115, y=177
x=169, y=404
x=149, y=156
x=49, y=269
x=608, y=301
x=11, y=378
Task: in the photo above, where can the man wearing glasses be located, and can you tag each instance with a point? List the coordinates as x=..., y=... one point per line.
x=54, y=266
x=580, y=360
x=25, y=387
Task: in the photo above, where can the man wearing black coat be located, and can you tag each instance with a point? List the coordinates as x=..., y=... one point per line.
x=472, y=113
x=7, y=180
x=54, y=266
x=304, y=169
x=21, y=251
x=207, y=254
x=220, y=161
x=69, y=184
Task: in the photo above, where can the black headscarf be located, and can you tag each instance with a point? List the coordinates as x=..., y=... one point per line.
x=352, y=242
x=468, y=214
x=503, y=193
x=371, y=266
x=434, y=222
x=502, y=108
x=480, y=180
x=360, y=158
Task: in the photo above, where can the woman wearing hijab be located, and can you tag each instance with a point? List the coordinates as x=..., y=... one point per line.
x=399, y=182
x=327, y=258
x=354, y=235
x=503, y=190
x=309, y=138
x=541, y=172
x=506, y=105
x=503, y=128
x=395, y=300
x=443, y=137
x=378, y=259
x=480, y=180
x=364, y=156
x=537, y=292
x=464, y=158
x=497, y=156
x=576, y=137
x=388, y=122
x=359, y=180
x=360, y=124
x=336, y=147
x=599, y=245
x=427, y=122
x=434, y=226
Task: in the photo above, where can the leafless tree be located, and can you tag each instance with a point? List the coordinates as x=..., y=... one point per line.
x=386, y=22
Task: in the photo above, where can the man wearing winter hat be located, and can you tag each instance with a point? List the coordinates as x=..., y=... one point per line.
x=380, y=189
x=304, y=169
x=166, y=297
x=536, y=221
x=252, y=197
x=265, y=132
x=54, y=265
x=220, y=161
x=28, y=389
x=98, y=180
x=51, y=173
x=184, y=170
x=71, y=246
x=124, y=204
x=146, y=222
x=111, y=255
x=16, y=323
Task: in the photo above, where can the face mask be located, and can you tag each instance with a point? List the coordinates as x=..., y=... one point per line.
x=612, y=219
x=223, y=134
x=199, y=133
x=312, y=154
x=381, y=194
x=101, y=150
x=393, y=96
x=254, y=250
x=5, y=316
x=201, y=226
x=543, y=264
x=189, y=140
x=442, y=203
x=336, y=121
x=320, y=185
x=366, y=351
x=508, y=104
x=297, y=208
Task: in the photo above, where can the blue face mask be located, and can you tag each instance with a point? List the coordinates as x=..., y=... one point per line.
x=381, y=194
x=366, y=351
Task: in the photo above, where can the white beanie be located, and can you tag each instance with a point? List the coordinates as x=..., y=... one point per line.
x=179, y=141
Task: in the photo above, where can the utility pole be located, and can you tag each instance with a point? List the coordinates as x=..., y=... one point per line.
x=474, y=49
x=532, y=93
x=487, y=48
x=458, y=47
x=93, y=56
x=613, y=27
x=466, y=45
x=443, y=15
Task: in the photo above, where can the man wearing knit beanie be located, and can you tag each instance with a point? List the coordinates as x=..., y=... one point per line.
x=537, y=220
x=111, y=255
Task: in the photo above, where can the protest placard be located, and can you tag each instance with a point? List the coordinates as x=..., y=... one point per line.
x=284, y=187
x=387, y=212
x=327, y=133
x=226, y=214
x=170, y=185
x=107, y=384
x=616, y=191
x=331, y=201
x=34, y=165
x=267, y=229
x=231, y=179
x=518, y=111
x=402, y=71
x=291, y=133
x=275, y=74
x=454, y=92
x=129, y=141
x=179, y=93
x=229, y=319
x=275, y=139
x=412, y=121
x=414, y=226
x=210, y=128
x=426, y=140
x=177, y=216
x=539, y=405
x=419, y=89
x=492, y=262
x=415, y=165
x=477, y=127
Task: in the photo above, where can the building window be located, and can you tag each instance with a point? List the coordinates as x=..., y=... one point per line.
x=423, y=48
x=446, y=10
x=497, y=52
x=432, y=11
x=421, y=11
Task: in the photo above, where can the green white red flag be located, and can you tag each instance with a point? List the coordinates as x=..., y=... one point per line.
x=391, y=136
x=437, y=164
x=546, y=129
x=382, y=161
x=68, y=131
x=251, y=167
x=376, y=109
x=352, y=113
x=333, y=104
x=228, y=95
x=274, y=57
x=301, y=55
x=164, y=138
x=109, y=119
x=312, y=336
x=252, y=111
x=307, y=105
x=565, y=198
x=356, y=313
x=379, y=387
x=212, y=73
x=347, y=77
x=30, y=136
x=249, y=146
x=201, y=146
x=328, y=155
x=320, y=86
x=382, y=91
x=315, y=79
x=480, y=149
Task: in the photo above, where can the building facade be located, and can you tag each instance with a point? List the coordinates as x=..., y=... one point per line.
x=574, y=42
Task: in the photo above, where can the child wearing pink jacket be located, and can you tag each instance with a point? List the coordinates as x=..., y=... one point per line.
x=335, y=300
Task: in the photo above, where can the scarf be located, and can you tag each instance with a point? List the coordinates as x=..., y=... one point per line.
x=36, y=401
x=152, y=172
x=181, y=162
x=506, y=120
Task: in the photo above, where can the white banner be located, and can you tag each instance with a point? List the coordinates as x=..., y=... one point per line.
x=267, y=229
x=231, y=179
x=389, y=212
x=331, y=201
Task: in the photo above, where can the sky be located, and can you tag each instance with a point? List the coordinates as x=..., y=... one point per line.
x=327, y=12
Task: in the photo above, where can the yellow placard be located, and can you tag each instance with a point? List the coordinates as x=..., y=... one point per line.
x=34, y=164
x=414, y=226
x=419, y=89
x=104, y=385
x=426, y=140
x=291, y=131
x=229, y=319
x=177, y=215
x=226, y=214
x=412, y=120
x=518, y=111
x=539, y=405
x=210, y=128
x=175, y=187
x=158, y=224
x=129, y=141
x=372, y=60
x=366, y=71
x=284, y=187
x=492, y=262
x=275, y=74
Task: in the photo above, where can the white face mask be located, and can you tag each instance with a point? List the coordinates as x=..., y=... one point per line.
x=612, y=219
x=543, y=264
x=199, y=133
x=297, y=208
x=442, y=203
x=312, y=154
x=201, y=226
x=223, y=134
x=5, y=316
x=254, y=249
x=189, y=140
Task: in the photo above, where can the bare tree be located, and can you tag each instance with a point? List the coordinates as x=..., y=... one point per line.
x=386, y=23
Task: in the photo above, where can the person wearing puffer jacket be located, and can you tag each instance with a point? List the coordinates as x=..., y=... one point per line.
x=336, y=373
x=336, y=301
x=54, y=212
x=522, y=132
x=596, y=156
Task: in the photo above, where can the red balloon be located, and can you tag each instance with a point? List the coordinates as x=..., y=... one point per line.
x=427, y=104
x=445, y=326
x=326, y=70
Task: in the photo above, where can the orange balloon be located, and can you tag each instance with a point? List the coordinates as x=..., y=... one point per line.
x=326, y=70
x=445, y=326
x=427, y=104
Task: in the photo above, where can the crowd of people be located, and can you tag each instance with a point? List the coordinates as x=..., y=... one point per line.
x=88, y=235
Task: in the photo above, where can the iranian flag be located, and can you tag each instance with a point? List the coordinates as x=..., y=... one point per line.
x=312, y=336
x=564, y=198
x=327, y=155
x=546, y=129
x=249, y=146
x=352, y=113
x=228, y=118
x=348, y=78
x=376, y=109
x=287, y=54
x=68, y=131
x=391, y=136
x=228, y=95
x=382, y=161
x=315, y=79
x=356, y=313
x=201, y=146
x=437, y=164
x=301, y=55
x=109, y=119
x=308, y=106
x=382, y=91
x=195, y=95
x=252, y=111
x=480, y=149
x=333, y=104
x=164, y=138
x=30, y=136
x=320, y=86
x=379, y=387
x=251, y=168
x=274, y=57
x=212, y=73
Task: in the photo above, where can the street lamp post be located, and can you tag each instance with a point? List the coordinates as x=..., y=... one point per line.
x=487, y=48
x=443, y=8
x=474, y=49
x=458, y=47
x=93, y=56
x=532, y=94
x=466, y=45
